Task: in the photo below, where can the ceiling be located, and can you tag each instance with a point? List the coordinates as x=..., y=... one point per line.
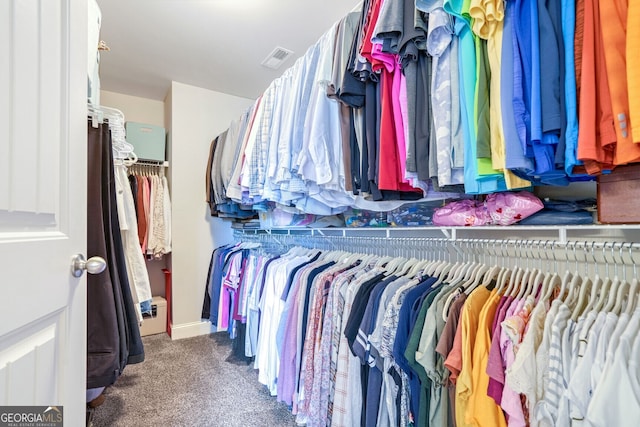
x=214, y=44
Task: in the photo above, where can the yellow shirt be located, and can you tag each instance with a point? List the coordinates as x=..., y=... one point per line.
x=482, y=409
x=469, y=324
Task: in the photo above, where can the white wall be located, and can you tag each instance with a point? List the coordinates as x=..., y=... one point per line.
x=196, y=116
x=135, y=109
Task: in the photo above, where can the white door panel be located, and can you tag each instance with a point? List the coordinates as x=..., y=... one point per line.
x=43, y=84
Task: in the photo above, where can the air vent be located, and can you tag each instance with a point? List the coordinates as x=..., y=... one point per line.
x=275, y=59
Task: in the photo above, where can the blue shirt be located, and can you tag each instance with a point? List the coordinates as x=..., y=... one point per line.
x=571, y=103
x=514, y=153
x=403, y=334
x=527, y=102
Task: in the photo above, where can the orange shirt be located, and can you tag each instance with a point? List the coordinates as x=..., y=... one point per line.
x=633, y=67
x=596, y=134
x=613, y=19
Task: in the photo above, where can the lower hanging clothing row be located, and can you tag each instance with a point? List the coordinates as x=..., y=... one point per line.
x=362, y=340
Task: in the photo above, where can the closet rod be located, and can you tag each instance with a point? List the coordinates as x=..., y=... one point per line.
x=539, y=249
x=158, y=163
x=577, y=244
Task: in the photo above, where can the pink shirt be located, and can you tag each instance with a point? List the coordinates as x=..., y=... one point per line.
x=399, y=82
x=229, y=284
x=511, y=403
x=495, y=364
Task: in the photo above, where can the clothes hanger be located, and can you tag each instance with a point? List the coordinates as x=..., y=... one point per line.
x=455, y=281
x=524, y=280
x=474, y=275
x=551, y=279
x=404, y=269
x=455, y=271
x=537, y=279
x=595, y=282
x=575, y=284
x=621, y=295
x=512, y=277
x=352, y=258
x=566, y=279
x=431, y=268
x=615, y=284
x=606, y=284
x=499, y=281
x=383, y=261
x=442, y=270
x=441, y=266
x=504, y=275
x=471, y=270
x=441, y=273
x=494, y=271
x=421, y=265
x=393, y=265
x=120, y=147
x=634, y=287
x=477, y=278
x=584, y=288
x=632, y=299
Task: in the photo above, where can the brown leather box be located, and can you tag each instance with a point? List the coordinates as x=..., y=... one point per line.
x=619, y=196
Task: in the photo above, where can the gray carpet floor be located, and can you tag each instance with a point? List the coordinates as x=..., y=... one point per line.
x=190, y=382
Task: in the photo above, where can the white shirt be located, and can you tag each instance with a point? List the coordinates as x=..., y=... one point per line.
x=614, y=401
x=521, y=375
x=579, y=390
x=271, y=306
x=134, y=259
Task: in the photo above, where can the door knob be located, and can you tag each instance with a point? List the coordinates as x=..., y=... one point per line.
x=94, y=265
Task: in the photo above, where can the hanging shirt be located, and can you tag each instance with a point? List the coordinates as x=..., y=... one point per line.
x=596, y=134
x=521, y=375
x=469, y=327
x=633, y=68
x=579, y=390
x=488, y=24
x=467, y=71
x=136, y=267
x=547, y=409
x=271, y=305
x=439, y=47
x=234, y=189
x=515, y=157
x=482, y=408
x=376, y=358
x=570, y=89
x=613, y=19
x=344, y=409
x=614, y=400
x=495, y=360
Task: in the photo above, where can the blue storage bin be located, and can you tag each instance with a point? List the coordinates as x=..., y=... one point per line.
x=148, y=140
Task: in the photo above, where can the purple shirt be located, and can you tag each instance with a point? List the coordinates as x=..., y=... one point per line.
x=287, y=371
x=495, y=363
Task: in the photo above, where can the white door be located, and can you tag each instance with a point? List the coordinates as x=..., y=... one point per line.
x=43, y=134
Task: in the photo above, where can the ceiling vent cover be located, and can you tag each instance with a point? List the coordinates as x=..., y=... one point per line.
x=275, y=59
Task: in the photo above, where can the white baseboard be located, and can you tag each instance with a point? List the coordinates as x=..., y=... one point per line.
x=193, y=329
